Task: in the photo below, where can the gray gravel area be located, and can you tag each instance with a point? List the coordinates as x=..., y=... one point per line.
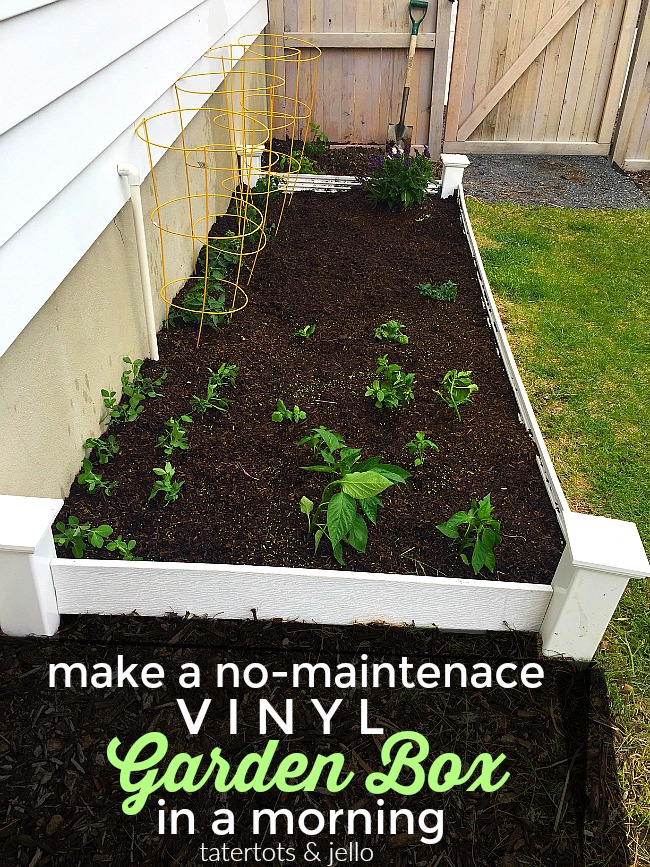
x=567, y=182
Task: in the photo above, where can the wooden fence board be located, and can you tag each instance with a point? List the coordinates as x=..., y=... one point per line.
x=631, y=146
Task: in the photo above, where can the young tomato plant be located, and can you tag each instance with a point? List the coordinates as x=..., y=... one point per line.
x=305, y=333
x=283, y=413
x=442, y=292
x=392, y=388
x=319, y=142
x=391, y=330
x=87, y=478
x=165, y=485
x=105, y=449
x=72, y=534
x=351, y=496
x=176, y=436
x=457, y=389
x=418, y=447
x=480, y=534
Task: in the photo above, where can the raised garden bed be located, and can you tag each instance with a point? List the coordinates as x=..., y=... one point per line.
x=342, y=265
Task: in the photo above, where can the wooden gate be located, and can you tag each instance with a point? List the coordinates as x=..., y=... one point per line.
x=361, y=72
x=538, y=76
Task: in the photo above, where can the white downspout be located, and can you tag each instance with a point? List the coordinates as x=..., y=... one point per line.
x=128, y=170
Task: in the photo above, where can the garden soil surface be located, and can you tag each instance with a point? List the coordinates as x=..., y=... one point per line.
x=346, y=267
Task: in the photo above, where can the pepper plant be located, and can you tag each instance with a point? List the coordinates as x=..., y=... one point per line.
x=283, y=413
x=457, y=389
x=391, y=330
x=305, y=333
x=480, y=534
x=447, y=291
x=418, y=447
x=351, y=497
x=392, y=388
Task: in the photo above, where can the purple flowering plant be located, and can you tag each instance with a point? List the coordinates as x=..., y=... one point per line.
x=398, y=179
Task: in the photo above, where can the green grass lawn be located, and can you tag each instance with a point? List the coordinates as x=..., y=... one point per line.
x=573, y=289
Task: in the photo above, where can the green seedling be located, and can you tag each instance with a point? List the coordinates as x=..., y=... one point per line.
x=165, y=485
x=419, y=446
x=87, y=478
x=305, y=333
x=297, y=162
x=105, y=449
x=457, y=389
x=176, y=436
x=442, y=292
x=223, y=377
x=189, y=311
x=392, y=388
x=135, y=390
x=391, y=330
x=123, y=548
x=351, y=497
x=283, y=413
x=480, y=534
x=319, y=142
x=72, y=534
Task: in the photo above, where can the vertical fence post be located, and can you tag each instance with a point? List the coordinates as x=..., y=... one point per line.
x=439, y=81
x=27, y=597
x=453, y=168
x=601, y=555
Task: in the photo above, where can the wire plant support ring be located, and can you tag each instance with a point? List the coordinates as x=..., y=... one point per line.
x=212, y=185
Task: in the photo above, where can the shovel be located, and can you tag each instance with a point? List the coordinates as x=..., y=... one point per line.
x=399, y=134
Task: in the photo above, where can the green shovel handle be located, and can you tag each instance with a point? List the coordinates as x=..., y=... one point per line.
x=415, y=23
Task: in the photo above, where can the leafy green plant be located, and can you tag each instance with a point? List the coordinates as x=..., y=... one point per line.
x=283, y=413
x=391, y=330
x=457, y=389
x=224, y=376
x=355, y=485
x=165, y=485
x=176, y=436
x=123, y=548
x=87, y=478
x=266, y=184
x=392, y=388
x=419, y=446
x=136, y=388
x=398, y=179
x=480, y=534
x=72, y=534
x=319, y=142
x=192, y=304
x=305, y=333
x=297, y=162
x=442, y=292
x=105, y=449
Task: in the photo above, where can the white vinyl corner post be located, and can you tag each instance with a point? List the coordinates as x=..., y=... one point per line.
x=28, y=604
x=453, y=168
x=129, y=171
x=601, y=556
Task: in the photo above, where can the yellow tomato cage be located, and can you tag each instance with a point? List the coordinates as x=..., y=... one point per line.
x=251, y=96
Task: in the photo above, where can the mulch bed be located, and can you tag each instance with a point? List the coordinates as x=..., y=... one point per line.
x=60, y=798
x=346, y=267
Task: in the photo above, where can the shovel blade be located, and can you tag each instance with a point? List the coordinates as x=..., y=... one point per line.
x=400, y=136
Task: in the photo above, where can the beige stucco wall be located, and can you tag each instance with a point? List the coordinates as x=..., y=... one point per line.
x=52, y=375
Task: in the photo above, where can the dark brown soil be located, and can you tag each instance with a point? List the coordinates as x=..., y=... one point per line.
x=60, y=799
x=346, y=268
x=351, y=160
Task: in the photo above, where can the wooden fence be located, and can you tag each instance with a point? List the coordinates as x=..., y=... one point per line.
x=361, y=73
x=538, y=76
x=632, y=140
